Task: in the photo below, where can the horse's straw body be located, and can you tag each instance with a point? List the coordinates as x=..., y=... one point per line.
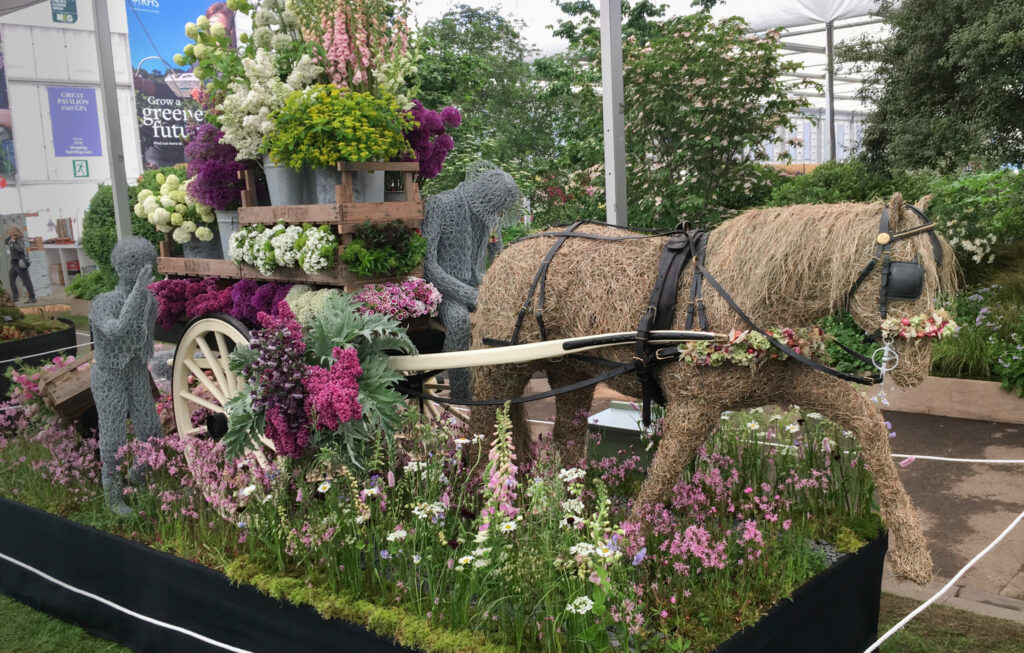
x=784, y=267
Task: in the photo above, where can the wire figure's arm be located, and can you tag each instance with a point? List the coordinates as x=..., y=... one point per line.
x=106, y=317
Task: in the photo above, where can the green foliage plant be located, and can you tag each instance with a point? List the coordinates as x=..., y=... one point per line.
x=703, y=99
x=387, y=250
x=323, y=124
x=979, y=212
x=842, y=328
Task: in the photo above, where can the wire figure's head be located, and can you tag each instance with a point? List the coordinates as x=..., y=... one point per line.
x=130, y=255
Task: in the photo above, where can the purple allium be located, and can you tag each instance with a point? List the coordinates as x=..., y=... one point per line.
x=451, y=117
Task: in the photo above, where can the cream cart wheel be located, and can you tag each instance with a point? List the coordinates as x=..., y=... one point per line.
x=201, y=377
x=451, y=414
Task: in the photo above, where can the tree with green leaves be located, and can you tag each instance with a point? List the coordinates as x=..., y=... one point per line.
x=947, y=84
x=477, y=60
x=702, y=100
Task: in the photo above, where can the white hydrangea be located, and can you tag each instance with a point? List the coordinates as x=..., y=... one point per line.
x=204, y=234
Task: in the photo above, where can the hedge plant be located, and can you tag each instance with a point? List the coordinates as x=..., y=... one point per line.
x=99, y=235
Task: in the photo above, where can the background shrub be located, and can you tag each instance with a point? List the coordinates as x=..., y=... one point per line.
x=99, y=235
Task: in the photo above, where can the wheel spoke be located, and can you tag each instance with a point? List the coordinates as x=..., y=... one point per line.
x=217, y=370
x=222, y=349
x=205, y=380
x=202, y=402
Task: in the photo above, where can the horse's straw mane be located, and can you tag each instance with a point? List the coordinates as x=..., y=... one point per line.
x=810, y=255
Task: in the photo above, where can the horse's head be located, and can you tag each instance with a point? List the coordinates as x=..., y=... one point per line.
x=912, y=263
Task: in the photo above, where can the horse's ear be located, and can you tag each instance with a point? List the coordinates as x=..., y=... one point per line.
x=922, y=204
x=899, y=215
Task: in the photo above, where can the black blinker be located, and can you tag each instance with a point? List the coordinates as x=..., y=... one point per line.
x=906, y=280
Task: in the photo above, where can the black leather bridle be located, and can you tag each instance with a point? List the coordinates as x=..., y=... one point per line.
x=901, y=280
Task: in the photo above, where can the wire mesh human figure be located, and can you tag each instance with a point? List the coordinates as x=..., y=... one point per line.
x=458, y=225
x=122, y=323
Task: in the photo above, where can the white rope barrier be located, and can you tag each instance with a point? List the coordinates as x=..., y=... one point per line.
x=996, y=461
x=945, y=588
x=52, y=351
x=122, y=609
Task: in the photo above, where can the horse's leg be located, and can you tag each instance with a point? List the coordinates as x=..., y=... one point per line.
x=571, y=411
x=687, y=427
x=501, y=382
x=838, y=401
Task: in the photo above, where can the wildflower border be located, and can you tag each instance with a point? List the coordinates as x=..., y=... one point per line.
x=195, y=598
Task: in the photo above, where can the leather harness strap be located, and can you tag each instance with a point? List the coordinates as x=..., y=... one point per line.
x=541, y=279
x=660, y=310
x=697, y=286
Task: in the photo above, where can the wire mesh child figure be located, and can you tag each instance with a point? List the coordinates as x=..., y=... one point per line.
x=458, y=226
x=122, y=322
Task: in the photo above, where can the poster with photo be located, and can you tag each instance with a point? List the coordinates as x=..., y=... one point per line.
x=165, y=94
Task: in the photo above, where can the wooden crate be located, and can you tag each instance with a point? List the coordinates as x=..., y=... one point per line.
x=68, y=391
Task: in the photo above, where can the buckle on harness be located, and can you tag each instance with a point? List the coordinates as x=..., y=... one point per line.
x=673, y=351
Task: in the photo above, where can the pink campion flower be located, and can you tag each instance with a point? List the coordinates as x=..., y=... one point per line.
x=786, y=525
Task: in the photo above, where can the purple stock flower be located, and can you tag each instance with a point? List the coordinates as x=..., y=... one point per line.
x=430, y=141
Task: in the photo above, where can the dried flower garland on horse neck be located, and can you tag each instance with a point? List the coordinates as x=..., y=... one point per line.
x=750, y=348
x=926, y=325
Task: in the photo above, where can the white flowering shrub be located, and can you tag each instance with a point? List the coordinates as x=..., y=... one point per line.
x=245, y=111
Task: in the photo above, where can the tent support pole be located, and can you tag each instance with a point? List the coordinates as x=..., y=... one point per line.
x=830, y=74
x=112, y=121
x=614, y=111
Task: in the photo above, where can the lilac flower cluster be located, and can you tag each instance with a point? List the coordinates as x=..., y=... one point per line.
x=332, y=395
x=212, y=169
x=411, y=298
x=275, y=378
x=188, y=298
x=431, y=141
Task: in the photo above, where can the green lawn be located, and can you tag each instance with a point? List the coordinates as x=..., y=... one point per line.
x=24, y=630
x=937, y=630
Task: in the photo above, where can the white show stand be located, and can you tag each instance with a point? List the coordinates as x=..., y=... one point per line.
x=62, y=254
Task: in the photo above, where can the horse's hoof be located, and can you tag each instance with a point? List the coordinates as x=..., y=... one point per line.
x=915, y=567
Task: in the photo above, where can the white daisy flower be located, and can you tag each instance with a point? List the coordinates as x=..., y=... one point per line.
x=246, y=491
x=753, y=426
x=465, y=560
x=508, y=527
x=324, y=487
x=792, y=428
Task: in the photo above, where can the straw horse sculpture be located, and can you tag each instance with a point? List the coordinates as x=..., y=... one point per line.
x=784, y=267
